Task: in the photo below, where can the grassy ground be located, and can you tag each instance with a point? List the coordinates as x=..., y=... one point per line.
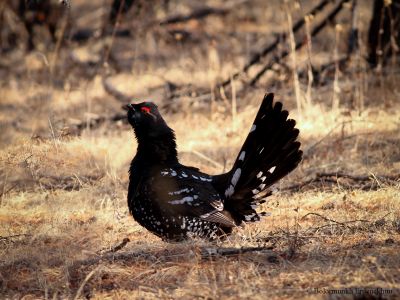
x=63, y=196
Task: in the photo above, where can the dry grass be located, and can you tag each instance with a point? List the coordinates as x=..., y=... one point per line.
x=63, y=197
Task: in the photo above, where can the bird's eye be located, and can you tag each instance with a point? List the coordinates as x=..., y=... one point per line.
x=145, y=109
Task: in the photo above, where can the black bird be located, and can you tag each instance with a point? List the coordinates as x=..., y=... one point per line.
x=175, y=202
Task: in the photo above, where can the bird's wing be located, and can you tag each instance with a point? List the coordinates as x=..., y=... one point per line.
x=185, y=191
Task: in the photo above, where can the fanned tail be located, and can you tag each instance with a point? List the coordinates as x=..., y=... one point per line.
x=270, y=152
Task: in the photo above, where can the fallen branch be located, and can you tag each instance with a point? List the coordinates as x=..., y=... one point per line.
x=164, y=255
x=361, y=177
x=209, y=252
x=272, y=46
x=317, y=29
x=110, y=89
x=93, y=123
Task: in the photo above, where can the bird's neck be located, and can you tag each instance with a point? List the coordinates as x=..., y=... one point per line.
x=157, y=148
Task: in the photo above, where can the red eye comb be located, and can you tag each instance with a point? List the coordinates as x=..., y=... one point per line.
x=145, y=109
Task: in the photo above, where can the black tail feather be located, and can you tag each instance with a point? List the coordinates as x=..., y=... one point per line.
x=270, y=152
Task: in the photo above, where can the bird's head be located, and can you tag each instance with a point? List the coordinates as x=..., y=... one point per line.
x=155, y=139
x=144, y=116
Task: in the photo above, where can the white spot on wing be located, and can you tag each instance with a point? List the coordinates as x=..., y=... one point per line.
x=272, y=169
x=182, y=201
x=253, y=128
x=255, y=191
x=259, y=174
x=186, y=190
x=236, y=176
x=173, y=173
x=242, y=155
x=184, y=174
x=205, y=179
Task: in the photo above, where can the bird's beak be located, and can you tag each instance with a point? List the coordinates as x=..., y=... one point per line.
x=128, y=107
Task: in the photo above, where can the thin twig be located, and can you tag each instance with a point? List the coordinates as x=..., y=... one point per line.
x=201, y=155
x=337, y=223
x=326, y=177
x=121, y=245
x=332, y=220
x=5, y=192
x=87, y=278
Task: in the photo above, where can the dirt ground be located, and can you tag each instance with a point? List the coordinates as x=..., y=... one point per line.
x=334, y=228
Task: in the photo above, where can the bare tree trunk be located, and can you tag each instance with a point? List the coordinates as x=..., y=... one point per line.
x=384, y=31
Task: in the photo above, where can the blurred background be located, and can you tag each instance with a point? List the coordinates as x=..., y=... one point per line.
x=66, y=69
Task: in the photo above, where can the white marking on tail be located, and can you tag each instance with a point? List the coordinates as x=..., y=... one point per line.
x=195, y=177
x=183, y=223
x=163, y=173
x=261, y=186
x=229, y=191
x=184, y=174
x=173, y=173
x=242, y=155
x=236, y=176
x=263, y=178
x=259, y=174
x=272, y=169
x=249, y=217
x=253, y=127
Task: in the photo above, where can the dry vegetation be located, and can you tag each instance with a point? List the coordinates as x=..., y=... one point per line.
x=335, y=223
